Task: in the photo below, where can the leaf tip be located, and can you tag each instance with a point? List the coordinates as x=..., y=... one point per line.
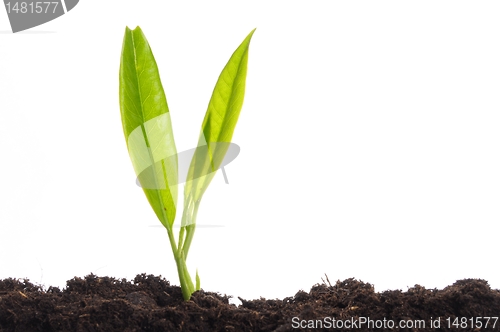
x=136, y=29
x=251, y=33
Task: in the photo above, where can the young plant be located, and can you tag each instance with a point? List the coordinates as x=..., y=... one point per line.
x=150, y=141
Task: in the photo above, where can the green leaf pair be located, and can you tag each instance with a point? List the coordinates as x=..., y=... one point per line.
x=150, y=140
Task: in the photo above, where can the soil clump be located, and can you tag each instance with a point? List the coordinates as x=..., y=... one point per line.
x=150, y=303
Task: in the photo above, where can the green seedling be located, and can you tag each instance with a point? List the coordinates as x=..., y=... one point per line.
x=150, y=140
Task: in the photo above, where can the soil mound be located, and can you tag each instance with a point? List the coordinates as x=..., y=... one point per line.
x=150, y=303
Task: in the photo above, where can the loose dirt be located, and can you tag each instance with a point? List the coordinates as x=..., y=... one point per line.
x=150, y=303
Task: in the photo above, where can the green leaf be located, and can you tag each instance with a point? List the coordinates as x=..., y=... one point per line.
x=219, y=123
x=215, y=137
x=147, y=125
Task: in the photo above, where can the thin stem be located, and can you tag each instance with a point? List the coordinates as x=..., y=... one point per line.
x=181, y=240
x=190, y=230
x=186, y=220
x=187, y=286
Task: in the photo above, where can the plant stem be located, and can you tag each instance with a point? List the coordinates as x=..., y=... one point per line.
x=187, y=286
x=190, y=228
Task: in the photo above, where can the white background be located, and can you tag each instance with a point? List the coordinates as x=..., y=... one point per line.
x=369, y=143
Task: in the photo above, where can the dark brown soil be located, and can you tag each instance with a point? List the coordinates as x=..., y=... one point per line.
x=149, y=303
